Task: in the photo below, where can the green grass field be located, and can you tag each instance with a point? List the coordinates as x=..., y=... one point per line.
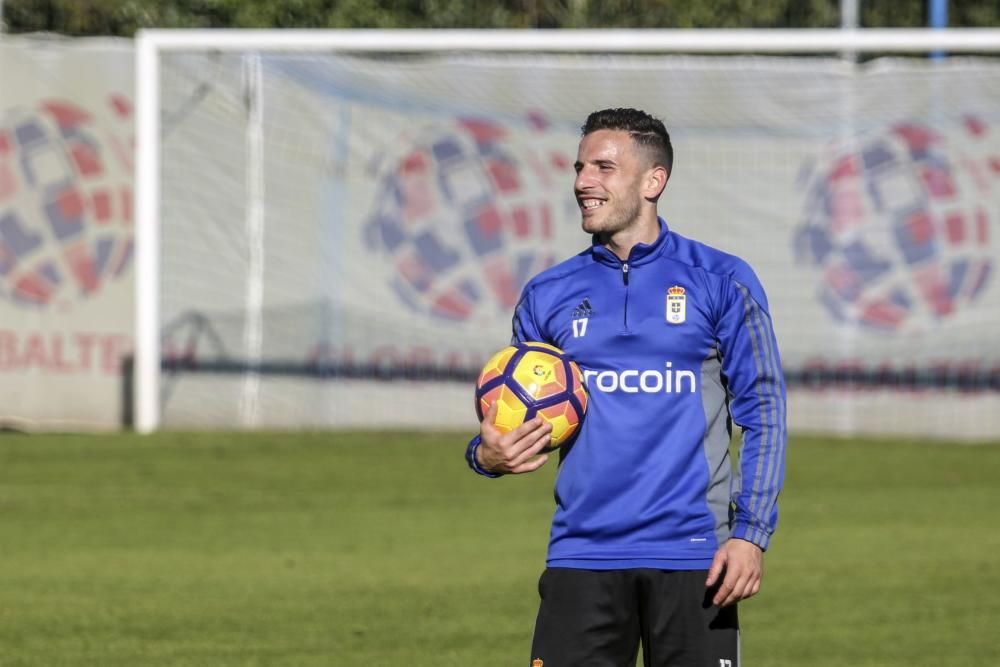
x=383, y=549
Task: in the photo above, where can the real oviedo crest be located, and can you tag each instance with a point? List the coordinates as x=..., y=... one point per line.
x=676, y=305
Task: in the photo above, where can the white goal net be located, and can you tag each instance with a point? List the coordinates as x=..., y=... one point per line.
x=342, y=236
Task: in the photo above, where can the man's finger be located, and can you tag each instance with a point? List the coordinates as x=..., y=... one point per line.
x=488, y=426
x=532, y=465
x=536, y=441
x=532, y=446
x=508, y=452
x=490, y=418
x=525, y=429
x=731, y=585
x=718, y=563
x=745, y=584
x=722, y=595
x=736, y=594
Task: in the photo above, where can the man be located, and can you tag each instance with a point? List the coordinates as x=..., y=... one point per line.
x=654, y=539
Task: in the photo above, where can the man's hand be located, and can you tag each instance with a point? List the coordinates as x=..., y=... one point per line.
x=513, y=452
x=740, y=564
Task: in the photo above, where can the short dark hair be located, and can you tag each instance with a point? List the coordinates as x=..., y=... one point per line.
x=645, y=130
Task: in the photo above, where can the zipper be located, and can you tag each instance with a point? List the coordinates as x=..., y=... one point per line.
x=625, y=280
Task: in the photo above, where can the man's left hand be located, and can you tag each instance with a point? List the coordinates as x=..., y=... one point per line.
x=740, y=565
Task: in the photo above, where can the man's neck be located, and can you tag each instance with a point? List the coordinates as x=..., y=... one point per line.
x=645, y=230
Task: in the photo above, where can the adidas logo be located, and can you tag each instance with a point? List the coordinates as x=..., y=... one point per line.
x=584, y=309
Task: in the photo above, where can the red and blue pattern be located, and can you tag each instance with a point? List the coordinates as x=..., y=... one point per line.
x=464, y=213
x=65, y=201
x=900, y=226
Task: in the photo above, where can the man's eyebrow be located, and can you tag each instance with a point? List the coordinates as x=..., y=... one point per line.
x=599, y=163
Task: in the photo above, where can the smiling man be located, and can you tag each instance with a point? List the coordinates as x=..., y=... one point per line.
x=656, y=534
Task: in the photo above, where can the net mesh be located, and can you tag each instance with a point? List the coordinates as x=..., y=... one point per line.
x=406, y=200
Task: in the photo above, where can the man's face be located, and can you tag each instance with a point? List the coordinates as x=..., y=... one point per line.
x=609, y=171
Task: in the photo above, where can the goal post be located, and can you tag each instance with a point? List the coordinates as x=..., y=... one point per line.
x=258, y=156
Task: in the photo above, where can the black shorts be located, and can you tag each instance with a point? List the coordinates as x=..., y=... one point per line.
x=597, y=618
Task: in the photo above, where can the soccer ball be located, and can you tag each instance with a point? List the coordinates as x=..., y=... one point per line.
x=529, y=379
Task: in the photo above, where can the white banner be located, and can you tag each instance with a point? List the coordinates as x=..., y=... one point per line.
x=407, y=200
x=66, y=154
x=398, y=204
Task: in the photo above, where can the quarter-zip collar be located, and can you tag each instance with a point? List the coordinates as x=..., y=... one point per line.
x=640, y=253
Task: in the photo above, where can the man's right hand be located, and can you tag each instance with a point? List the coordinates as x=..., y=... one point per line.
x=514, y=452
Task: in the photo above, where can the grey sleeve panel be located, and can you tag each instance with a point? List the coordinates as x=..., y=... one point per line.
x=721, y=484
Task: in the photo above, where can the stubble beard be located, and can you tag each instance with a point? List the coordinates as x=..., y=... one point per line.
x=622, y=217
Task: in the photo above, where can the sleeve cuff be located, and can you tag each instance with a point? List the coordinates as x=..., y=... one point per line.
x=470, y=458
x=753, y=534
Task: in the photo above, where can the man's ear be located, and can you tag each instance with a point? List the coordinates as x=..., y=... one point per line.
x=656, y=180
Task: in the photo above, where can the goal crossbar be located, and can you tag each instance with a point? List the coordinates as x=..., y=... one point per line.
x=778, y=41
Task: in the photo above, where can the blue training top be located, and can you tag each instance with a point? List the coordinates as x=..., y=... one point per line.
x=673, y=343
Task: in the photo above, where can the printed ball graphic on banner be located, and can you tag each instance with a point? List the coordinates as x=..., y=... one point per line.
x=464, y=213
x=531, y=379
x=902, y=227
x=65, y=200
